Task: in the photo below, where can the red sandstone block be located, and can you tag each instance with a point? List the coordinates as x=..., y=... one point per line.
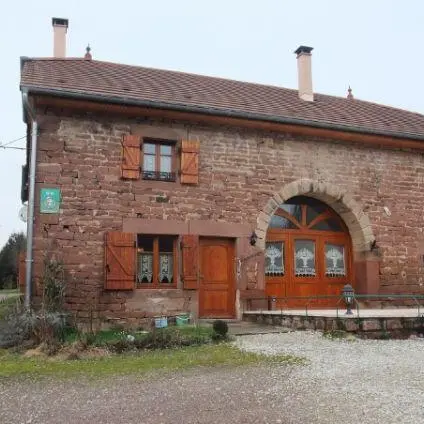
x=371, y=325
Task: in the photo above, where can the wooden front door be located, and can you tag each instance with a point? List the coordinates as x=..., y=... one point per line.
x=217, y=288
x=308, y=253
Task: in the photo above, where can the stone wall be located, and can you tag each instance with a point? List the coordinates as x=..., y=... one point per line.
x=240, y=171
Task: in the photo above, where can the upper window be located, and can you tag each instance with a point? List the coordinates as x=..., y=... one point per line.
x=158, y=161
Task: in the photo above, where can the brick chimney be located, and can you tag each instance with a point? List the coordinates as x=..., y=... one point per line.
x=304, y=71
x=60, y=27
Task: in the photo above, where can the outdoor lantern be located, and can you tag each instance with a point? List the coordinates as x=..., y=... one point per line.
x=253, y=239
x=348, y=296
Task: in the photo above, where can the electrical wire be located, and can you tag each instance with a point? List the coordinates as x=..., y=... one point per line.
x=12, y=141
x=14, y=148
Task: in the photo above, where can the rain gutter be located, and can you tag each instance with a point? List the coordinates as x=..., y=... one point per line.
x=206, y=110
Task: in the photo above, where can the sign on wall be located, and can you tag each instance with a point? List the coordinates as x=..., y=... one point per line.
x=49, y=200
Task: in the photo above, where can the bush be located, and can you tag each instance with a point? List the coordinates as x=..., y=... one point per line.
x=164, y=338
x=220, y=328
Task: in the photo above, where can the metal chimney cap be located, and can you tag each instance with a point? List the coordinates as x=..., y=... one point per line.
x=60, y=22
x=303, y=49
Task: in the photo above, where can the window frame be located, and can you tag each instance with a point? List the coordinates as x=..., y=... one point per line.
x=156, y=284
x=156, y=174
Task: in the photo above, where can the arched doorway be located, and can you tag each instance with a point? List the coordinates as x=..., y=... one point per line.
x=307, y=253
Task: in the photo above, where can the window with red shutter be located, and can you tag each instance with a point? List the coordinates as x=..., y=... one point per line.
x=120, y=253
x=130, y=164
x=190, y=262
x=158, y=160
x=157, y=264
x=190, y=162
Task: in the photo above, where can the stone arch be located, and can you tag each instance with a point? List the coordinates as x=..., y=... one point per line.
x=350, y=211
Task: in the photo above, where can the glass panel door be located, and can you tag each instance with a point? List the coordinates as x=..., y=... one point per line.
x=274, y=258
x=304, y=258
x=334, y=260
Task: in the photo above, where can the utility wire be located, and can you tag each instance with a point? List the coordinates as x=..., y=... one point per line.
x=11, y=147
x=13, y=141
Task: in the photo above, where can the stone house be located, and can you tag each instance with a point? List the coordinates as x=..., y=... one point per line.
x=165, y=192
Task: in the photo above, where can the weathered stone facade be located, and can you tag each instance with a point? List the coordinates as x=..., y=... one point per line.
x=244, y=175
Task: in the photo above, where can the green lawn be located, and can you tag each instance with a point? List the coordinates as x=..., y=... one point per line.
x=7, y=304
x=12, y=365
x=9, y=292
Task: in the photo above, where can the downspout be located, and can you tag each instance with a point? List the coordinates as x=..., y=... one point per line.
x=30, y=222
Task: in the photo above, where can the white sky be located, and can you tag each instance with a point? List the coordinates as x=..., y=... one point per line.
x=373, y=45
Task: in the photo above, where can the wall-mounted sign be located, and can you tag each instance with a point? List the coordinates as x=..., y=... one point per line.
x=49, y=200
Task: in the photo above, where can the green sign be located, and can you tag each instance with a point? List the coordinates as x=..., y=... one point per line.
x=49, y=200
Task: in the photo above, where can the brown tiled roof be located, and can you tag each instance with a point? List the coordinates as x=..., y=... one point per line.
x=161, y=88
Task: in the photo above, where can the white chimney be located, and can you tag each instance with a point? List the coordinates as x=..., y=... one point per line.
x=60, y=27
x=304, y=71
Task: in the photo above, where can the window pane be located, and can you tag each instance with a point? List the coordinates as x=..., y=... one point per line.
x=145, y=268
x=334, y=260
x=295, y=210
x=149, y=148
x=281, y=222
x=304, y=258
x=166, y=260
x=144, y=243
x=166, y=267
x=330, y=224
x=165, y=164
x=274, y=258
x=166, y=244
x=149, y=163
x=165, y=150
x=313, y=211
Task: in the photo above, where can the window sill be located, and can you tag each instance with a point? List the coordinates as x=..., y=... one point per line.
x=163, y=287
x=158, y=176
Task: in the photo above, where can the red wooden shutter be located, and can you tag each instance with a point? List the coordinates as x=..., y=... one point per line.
x=190, y=162
x=190, y=255
x=130, y=165
x=22, y=272
x=120, y=261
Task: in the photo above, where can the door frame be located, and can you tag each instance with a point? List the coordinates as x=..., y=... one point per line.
x=320, y=284
x=231, y=275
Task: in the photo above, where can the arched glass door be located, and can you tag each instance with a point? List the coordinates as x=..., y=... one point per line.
x=307, y=253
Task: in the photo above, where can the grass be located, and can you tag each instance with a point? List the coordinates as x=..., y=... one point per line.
x=222, y=354
x=7, y=305
x=9, y=292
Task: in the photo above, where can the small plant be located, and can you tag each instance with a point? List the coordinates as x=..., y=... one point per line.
x=220, y=330
x=53, y=285
x=220, y=327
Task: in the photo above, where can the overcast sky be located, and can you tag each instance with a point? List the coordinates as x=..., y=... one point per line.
x=375, y=46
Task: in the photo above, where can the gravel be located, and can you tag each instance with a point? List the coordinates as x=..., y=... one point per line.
x=368, y=381
x=365, y=381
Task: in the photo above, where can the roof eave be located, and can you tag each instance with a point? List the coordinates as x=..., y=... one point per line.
x=75, y=95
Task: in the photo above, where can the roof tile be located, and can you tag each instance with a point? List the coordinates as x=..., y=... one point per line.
x=222, y=95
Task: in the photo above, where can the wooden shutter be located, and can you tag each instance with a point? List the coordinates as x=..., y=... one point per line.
x=130, y=164
x=120, y=253
x=22, y=272
x=190, y=255
x=190, y=162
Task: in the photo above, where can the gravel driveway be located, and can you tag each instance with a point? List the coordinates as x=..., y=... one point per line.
x=344, y=382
